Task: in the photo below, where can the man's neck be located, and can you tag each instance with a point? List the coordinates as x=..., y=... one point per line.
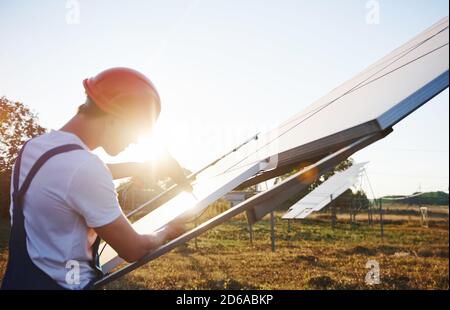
x=85, y=129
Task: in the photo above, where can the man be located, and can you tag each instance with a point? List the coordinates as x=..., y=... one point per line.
x=63, y=195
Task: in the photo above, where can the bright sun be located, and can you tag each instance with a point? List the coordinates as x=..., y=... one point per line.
x=168, y=136
x=149, y=147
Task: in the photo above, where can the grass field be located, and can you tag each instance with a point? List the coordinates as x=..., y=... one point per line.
x=311, y=256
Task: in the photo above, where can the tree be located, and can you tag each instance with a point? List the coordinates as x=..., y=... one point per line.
x=312, y=175
x=340, y=167
x=17, y=125
x=429, y=198
x=343, y=165
x=344, y=202
x=350, y=201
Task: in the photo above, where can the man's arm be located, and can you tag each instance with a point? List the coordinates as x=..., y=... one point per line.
x=124, y=170
x=92, y=195
x=150, y=172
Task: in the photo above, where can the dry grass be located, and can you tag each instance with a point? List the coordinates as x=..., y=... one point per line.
x=311, y=256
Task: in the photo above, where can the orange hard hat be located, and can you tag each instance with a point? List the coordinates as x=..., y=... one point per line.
x=124, y=93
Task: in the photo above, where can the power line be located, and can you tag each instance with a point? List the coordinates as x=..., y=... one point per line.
x=411, y=150
x=410, y=176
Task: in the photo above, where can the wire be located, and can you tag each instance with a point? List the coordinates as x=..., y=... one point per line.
x=370, y=185
x=410, y=175
x=412, y=150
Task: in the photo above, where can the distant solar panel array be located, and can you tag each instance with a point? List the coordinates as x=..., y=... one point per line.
x=325, y=193
x=349, y=118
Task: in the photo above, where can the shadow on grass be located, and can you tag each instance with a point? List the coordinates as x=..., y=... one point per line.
x=227, y=283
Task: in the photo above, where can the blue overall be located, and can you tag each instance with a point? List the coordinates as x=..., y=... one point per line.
x=21, y=273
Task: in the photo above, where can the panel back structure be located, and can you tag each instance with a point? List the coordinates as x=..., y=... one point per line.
x=326, y=192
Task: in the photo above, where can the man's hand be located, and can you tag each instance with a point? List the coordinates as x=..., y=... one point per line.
x=145, y=172
x=149, y=172
x=168, y=166
x=125, y=170
x=130, y=245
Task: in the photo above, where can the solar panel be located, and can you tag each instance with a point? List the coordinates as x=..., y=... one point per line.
x=329, y=190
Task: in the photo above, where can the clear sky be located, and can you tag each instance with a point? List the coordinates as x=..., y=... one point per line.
x=225, y=70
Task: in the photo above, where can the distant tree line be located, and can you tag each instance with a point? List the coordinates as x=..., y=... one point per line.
x=432, y=198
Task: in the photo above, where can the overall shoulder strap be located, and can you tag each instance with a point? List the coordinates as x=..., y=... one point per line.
x=16, y=174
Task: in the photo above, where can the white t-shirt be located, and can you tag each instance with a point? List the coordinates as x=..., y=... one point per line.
x=72, y=193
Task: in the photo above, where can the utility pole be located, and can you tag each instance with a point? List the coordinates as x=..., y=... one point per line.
x=195, y=239
x=351, y=209
x=272, y=230
x=132, y=189
x=250, y=231
x=333, y=213
x=353, y=212
x=381, y=219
